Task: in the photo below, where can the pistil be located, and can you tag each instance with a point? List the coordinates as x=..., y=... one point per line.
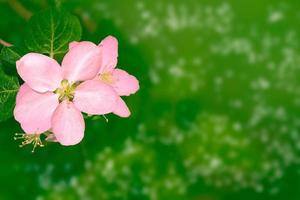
x=66, y=91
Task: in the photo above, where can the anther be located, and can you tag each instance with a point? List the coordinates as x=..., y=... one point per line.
x=33, y=139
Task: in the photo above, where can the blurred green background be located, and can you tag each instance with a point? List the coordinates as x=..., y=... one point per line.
x=217, y=116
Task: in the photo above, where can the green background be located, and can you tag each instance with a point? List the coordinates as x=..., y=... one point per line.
x=216, y=116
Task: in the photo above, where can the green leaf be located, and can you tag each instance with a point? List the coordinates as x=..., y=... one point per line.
x=9, y=87
x=10, y=54
x=8, y=57
x=51, y=31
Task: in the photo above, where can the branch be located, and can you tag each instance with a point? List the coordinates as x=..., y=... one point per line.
x=20, y=9
x=4, y=43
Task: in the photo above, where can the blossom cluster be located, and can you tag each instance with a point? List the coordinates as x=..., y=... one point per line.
x=53, y=96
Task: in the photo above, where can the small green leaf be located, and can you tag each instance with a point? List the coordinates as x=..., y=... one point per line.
x=51, y=31
x=9, y=87
x=10, y=54
x=8, y=57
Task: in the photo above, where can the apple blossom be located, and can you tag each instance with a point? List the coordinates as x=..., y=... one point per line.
x=53, y=96
x=122, y=82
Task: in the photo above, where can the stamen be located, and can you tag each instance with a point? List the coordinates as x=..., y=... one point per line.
x=106, y=78
x=33, y=139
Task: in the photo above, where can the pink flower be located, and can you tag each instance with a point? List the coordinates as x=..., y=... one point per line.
x=122, y=82
x=53, y=96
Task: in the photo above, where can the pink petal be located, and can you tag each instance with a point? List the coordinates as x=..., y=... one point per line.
x=34, y=110
x=22, y=90
x=121, y=108
x=109, y=47
x=68, y=124
x=73, y=44
x=95, y=98
x=81, y=62
x=124, y=83
x=40, y=72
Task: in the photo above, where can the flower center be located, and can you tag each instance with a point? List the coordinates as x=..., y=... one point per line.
x=106, y=78
x=65, y=91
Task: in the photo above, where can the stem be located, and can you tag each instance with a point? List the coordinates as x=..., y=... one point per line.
x=20, y=9
x=4, y=43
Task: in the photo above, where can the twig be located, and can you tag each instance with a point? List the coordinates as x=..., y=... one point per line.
x=4, y=43
x=20, y=9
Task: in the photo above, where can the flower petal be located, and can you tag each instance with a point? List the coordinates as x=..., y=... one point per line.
x=73, y=44
x=109, y=47
x=22, y=90
x=68, y=124
x=40, y=72
x=124, y=83
x=121, y=108
x=95, y=98
x=81, y=62
x=34, y=110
